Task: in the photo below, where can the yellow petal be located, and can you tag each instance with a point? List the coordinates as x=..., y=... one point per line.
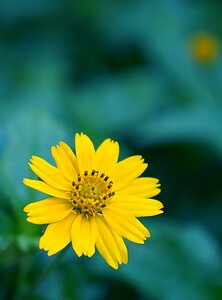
x=124, y=172
x=142, y=187
x=93, y=237
x=63, y=163
x=45, y=188
x=76, y=235
x=85, y=153
x=126, y=225
x=106, y=244
x=122, y=247
x=48, y=211
x=88, y=237
x=108, y=239
x=70, y=154
x=111, y=243
x=131, y=199
x=48, y=173
x=84, y=235
x=107, y=155
x=57, y=235
x=145, y=181
x=137, y=210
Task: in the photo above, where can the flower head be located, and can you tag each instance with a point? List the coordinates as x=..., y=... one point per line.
x=204, y=47
x=94, y=200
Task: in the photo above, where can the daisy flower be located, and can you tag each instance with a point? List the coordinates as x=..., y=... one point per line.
x=94, y=200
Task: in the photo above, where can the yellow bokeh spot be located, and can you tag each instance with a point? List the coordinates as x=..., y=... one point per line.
x=204, y=47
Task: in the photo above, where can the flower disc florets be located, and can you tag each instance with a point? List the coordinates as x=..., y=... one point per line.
x=90, y=193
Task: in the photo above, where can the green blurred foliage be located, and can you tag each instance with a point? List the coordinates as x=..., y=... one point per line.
x=120, y=69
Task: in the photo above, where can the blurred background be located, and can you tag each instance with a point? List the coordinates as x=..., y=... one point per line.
x=147, y=74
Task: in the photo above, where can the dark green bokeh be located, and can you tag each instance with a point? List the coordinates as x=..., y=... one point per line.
x=119, y=69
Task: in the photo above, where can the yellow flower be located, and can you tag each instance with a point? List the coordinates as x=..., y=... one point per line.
x=94, y=200
x=204, y=47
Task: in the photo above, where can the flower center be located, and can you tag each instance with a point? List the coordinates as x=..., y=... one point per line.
x=90, y=193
